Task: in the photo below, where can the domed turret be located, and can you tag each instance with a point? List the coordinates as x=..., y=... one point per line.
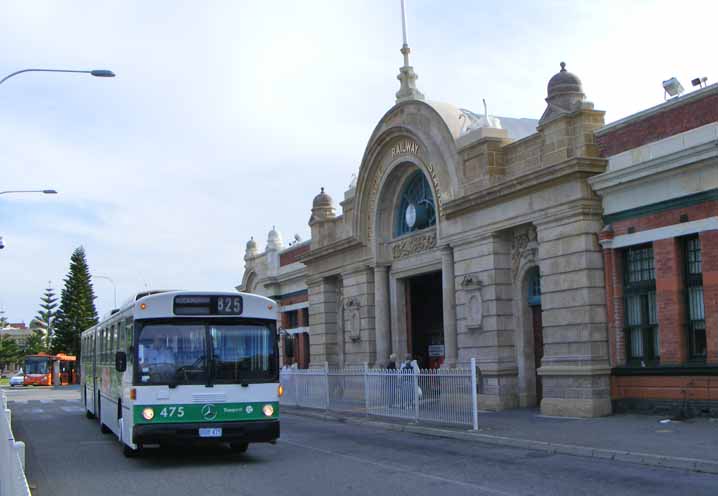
x=322, y=208
x=564, y=82
x=251, y=250
x=564, y=95
x=274, y=240
x=322, y=200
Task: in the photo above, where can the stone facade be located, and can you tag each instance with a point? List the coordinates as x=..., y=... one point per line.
x=503, y=205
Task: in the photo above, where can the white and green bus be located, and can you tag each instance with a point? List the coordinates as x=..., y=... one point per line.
x=180, y=366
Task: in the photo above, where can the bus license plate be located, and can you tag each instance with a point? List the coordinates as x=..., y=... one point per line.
x=215, y=432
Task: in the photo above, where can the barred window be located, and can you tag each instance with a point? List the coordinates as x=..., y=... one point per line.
x=289, y=346
x=642, y=335
x=695, y=314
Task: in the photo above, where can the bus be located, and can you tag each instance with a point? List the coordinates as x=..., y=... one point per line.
x=184, y=366
x=48, y=370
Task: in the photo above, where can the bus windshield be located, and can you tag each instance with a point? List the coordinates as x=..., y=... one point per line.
x=178, y=353
x=241, y=352
x=172, y=354
x=36, y=365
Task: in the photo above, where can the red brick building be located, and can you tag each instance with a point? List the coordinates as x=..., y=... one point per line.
x=660, y=245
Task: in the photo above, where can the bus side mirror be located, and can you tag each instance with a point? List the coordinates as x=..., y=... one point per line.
x=120, y=361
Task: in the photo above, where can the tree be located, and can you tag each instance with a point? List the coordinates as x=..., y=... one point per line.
x=10, y=353
x=3, y=320
x=77, y=306
x=46, y=315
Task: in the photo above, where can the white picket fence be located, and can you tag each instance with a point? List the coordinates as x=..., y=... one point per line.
x=12, y=456
x=441, y=396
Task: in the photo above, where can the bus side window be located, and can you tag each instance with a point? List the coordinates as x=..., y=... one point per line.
x=129, y=331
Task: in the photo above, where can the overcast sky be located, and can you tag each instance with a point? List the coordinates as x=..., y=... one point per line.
x=226, y=117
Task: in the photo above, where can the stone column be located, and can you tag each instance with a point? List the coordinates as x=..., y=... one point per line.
x=449, y=305
x=323, y=321
x=575, y=366
x=382, y=313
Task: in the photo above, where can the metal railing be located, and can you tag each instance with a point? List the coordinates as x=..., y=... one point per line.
x=440, y=396
x=12, y=456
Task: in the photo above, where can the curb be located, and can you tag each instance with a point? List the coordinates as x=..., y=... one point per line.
x=648, y=459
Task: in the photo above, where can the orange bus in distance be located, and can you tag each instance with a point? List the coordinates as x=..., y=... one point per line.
x=40, y=369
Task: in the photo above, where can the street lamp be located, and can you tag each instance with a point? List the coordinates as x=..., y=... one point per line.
x=45, y=191
x=96, y=73
x=114, y=287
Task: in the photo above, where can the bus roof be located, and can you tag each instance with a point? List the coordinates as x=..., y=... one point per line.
x=160, y=304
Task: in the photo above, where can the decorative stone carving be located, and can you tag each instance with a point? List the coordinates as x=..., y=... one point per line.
x=413, y=245
x=474, y=303
x=474, y=310
x=524, y=247
x=471, y=281
x=352, y=309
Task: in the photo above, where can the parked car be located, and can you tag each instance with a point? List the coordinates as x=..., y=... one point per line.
x=17, y=380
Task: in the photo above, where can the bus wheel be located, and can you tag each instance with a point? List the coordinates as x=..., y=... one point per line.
x=239, y=447
x=131, y=453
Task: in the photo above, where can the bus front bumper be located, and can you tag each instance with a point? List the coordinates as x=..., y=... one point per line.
x=260, y=431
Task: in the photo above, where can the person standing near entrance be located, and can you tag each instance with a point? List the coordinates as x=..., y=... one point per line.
x=406, y=372
x=392, y=362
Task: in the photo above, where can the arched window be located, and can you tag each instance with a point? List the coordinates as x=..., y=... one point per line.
x=416, y=206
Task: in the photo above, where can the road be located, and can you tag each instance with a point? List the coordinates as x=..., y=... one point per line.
x=67, y=455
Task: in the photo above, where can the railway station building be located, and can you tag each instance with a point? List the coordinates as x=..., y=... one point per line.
x=466, y=235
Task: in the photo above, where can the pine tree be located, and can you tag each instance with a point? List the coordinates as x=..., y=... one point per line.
x=46, y=315
x=77, y=306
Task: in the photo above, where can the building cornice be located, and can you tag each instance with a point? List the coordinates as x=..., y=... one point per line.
x=330, y=249
x=612, y=180
x=536, y=179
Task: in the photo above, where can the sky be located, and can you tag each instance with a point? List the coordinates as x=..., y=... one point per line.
x=226, y=117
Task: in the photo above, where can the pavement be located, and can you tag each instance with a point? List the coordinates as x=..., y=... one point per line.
x=67, y=455
x=690, y=444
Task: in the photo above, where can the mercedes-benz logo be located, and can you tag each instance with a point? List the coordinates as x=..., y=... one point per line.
x=209, y=412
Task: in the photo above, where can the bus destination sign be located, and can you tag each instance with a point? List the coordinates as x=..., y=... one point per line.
x=208, y=305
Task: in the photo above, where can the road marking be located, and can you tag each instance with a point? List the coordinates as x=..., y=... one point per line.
x=45, y=402
x=72, y=409
x=399, y=468
x=37, y=410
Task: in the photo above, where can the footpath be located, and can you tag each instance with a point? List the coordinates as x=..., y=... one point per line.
x=690, y=444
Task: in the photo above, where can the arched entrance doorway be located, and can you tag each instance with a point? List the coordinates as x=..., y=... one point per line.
x=533, y=298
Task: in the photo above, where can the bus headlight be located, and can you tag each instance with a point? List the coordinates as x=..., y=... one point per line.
x=280, y=390
x=268, y=410
x=148, y=413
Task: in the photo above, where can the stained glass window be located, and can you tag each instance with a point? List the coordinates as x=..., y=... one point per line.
x=416, y=206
